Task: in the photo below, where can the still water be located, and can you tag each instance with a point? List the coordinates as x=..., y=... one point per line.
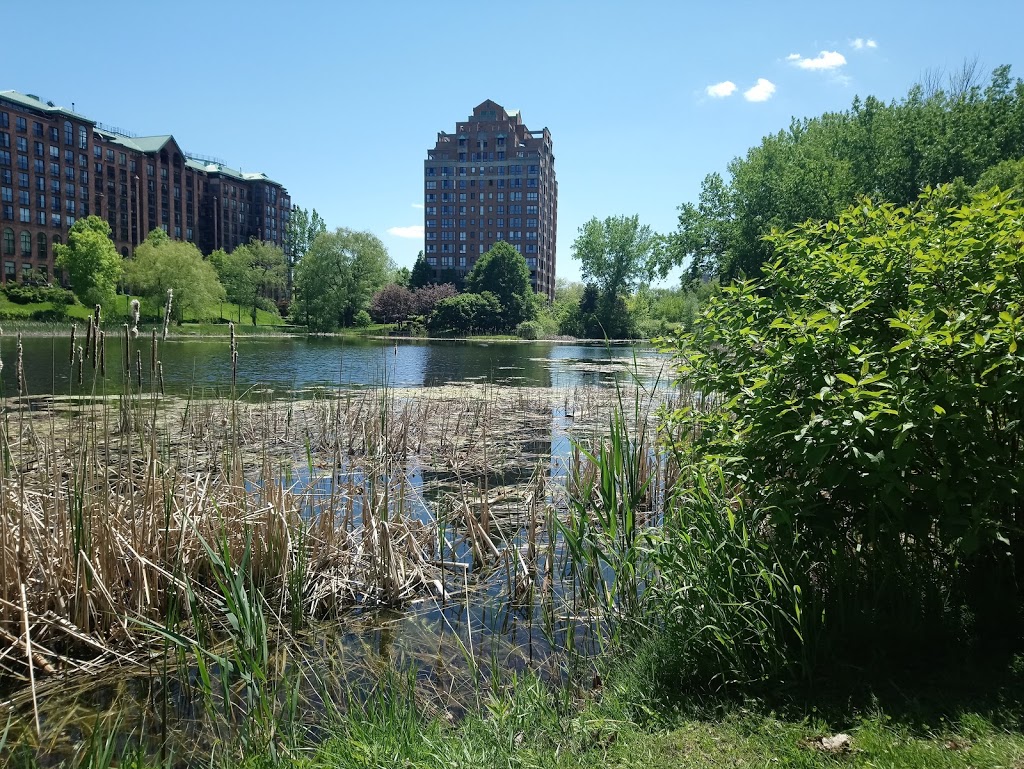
x=295, y=364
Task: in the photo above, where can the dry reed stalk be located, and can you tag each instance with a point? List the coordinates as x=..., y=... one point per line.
x=167, y=311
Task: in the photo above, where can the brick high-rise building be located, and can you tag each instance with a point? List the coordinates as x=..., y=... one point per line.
x=57, y=166
x=491, y=180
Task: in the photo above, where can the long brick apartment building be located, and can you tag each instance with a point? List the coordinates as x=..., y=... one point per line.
x=491, y=180
x=57, y=166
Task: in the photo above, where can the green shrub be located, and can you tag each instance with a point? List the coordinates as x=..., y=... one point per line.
x=869, y=391
x=20, y=294
x=529, y=329
x=362, y=319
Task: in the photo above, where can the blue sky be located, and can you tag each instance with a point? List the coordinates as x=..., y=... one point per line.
x=340, y=101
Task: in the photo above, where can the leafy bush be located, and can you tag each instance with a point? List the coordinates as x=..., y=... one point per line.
x=362, y=319
x=22, y=294
x=529, y=329
x=869, y=391
x=466, y=314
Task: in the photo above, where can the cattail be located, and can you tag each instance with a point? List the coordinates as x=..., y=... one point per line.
x=234, y=355
x=152, y=354
x=160, y=375
x=88, y=335
x=103, y=354
x=167, y=311
x=126, y=358
x=21, y=367
x=135, y=318
x=138, y=366
x=97, y=314
x=81, y=363
x=71, y=355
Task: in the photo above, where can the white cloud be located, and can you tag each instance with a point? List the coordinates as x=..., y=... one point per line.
x=860, y=43
x=412, y=232
x=793, y=57
x=761, y=92
x=417, y=205
x=721, y=90
x=824, y=60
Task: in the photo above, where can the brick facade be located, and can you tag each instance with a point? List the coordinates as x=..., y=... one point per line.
x=57, y=166
x=491, y=180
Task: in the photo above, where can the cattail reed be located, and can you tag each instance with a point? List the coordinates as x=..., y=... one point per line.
x=160, y=376
x=21, y=368
x=138, y=367
x=234, y=356
x=96, y=320
x=89, y=335
x=152, y=354
x=126, y=358
x=167, y=311
x=81, y=362
x=135, y=318
x=71, y=354
x=103, y=353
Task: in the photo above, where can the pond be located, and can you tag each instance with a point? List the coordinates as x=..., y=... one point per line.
x=295, y=364
x=492, y=426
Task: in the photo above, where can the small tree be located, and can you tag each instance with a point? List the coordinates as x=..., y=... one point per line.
x=422, y=274
x=250, y=273
x=391, y=304
x=425, y=299
x=338, y=276
x=503, y=272
x=91, y=260
x=161, y=264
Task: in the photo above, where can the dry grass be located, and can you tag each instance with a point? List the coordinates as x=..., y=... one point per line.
x=111, y=509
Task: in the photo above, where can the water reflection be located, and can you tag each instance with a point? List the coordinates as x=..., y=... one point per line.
x=288, y=364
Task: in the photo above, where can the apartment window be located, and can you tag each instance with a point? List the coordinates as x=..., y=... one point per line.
x=41, y=241
x=38, y=149
x=24, y=215
x=431, y=185
x=54, y=134
x=529, y=196
x=69, y=132
x=5, y=158
x=22, y=144
x=8, y=210
x=21, y=124
x=23, y=198
x=6, y=194
x=26, y=244
x=23, y=162
x=83, y=138
x=55, y=222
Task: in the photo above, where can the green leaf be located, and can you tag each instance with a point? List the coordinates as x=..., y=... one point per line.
x=939, y=410
x=846, y=378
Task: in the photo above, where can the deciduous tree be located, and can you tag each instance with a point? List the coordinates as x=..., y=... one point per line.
x=160, y=264
x=503, y=272
x=91, y=260
x=338, y=276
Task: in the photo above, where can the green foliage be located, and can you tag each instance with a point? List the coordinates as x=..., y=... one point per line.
x=868, y=393
x=467, y=314
x=617, y=256
x=337, y=278
x=818, y=167
x=1007, y=175
x=250, y=273
x=161, y=264
x=421, y=275
x=91, y=260
x=503, y=272
x=529, y=329
x=300, y=232
x=362, y=319
x=22, y=294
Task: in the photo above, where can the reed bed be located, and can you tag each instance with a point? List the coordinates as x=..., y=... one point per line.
x=111, y=508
